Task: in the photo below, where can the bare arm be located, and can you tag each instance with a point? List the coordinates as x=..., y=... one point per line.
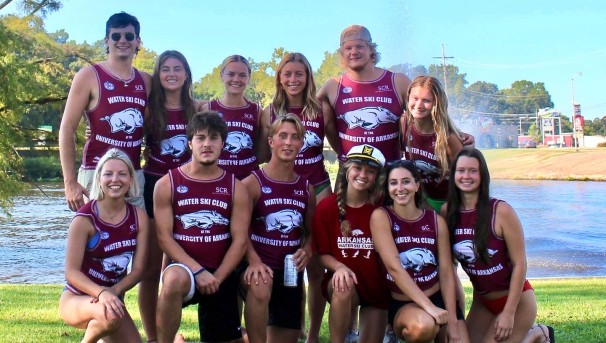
x=402, y=83
x=80, y=232
x=81, y=96
x=327, y=96
x=454, y=146
x=263, y=151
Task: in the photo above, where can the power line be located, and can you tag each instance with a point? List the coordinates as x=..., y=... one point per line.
x=443, y=57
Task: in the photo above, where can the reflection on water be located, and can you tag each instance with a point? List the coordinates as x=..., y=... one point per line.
x=564, y=224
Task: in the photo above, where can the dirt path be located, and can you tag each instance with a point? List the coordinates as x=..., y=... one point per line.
x=547, y=164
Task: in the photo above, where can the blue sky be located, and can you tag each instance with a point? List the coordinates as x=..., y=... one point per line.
x=493, y=41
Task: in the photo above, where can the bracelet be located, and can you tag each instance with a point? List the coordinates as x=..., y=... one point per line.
x=199, y=271
x=103, y=290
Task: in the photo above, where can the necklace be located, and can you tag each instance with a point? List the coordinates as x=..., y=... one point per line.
x=126, y=82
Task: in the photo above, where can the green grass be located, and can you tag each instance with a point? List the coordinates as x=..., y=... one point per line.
x=574, y=307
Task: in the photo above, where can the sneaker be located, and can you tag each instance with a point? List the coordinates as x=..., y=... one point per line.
x=352, y=337
x=390, y=337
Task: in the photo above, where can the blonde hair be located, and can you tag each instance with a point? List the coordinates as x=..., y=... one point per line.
x=113, y=154
x=287, y=118
x=375, y=56
x=374, y=194
x=311, y=106
x=235, y=58
x=442, y=123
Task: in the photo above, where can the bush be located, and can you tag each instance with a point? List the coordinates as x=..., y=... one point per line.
x=602, y=145
x=46, y=168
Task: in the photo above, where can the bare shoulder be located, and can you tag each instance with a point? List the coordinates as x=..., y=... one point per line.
x=328, y=90
x=205, y=107
x=199, y=104
x=402, y=83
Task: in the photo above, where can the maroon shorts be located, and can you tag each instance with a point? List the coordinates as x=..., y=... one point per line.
x=496, y=306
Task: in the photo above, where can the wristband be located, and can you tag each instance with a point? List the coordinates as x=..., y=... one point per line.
x=199, y=271
x=103, y=290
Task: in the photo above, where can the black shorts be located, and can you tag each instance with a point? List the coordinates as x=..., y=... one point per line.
x=148, y=193
x=284, y=303
x=436, y=299
x=218, y=314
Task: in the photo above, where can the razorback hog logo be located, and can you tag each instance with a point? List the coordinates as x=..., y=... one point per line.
x=284, y=221
x=357, y=232
x=465, y=251
x=202, y=219
x=237, y=141
x=175, y=146
x=417, y=258
x=428, y=171
x=311, y=140
x=117, y=264
x=127, y=120
x=368, y=118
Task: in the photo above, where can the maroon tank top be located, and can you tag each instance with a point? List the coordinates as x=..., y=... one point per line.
x=117, y=120
x=172, y=150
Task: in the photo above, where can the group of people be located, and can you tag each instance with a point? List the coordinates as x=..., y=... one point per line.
x=234, y=203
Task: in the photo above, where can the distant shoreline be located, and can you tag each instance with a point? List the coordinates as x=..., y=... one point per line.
x=564, y=164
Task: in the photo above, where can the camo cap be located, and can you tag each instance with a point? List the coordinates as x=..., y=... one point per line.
x=366, y=154
x=355, y=32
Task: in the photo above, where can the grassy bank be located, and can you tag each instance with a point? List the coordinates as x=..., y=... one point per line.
x=574, y=307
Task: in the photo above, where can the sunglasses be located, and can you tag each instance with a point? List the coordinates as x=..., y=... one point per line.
x=129, y=36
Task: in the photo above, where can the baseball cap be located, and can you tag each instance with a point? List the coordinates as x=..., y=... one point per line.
x=366, y=154
x=355, y=32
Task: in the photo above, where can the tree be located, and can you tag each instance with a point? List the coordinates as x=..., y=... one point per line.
x=526, y=97
x=329, y=68
x=408, y=70
x=454, y=86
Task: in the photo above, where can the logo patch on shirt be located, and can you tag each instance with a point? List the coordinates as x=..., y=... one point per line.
x=182, y=189
x=104, y=235
x=109, y=86
x=347, y=90
x=266, y=189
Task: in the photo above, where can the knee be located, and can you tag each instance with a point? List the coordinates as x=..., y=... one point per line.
x=419, y=331
x=342, y=297
x=175, y=283
x=260, y=293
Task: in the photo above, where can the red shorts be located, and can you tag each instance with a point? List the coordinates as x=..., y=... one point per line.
x=496, y=306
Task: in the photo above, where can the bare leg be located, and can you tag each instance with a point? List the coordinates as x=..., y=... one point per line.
x=339, y=313
x=315, y=300
x=77, y=311
x=372, y=324
x=415, y=325
x=282, y=335
x=148, y=288
x=256, y=311
x=175, y=286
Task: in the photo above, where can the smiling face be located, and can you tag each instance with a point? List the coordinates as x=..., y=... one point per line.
x=172, y=74
x=235, y=77
x=361, y=177
x=286, y=142
x=467, y=174
x=122, y=48
x=356, y=54
x=115, y=178
x=421, y=103
x=293, y=78
x=402, y=187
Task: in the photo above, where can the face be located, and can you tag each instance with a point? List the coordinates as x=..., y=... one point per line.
x=356, y=54
x=122, y=48
x=115, y=178
x=361, y=177
x=467, y=174
x=402, y=187
x=421, y=102
x=293, y=78
x=286, y=142
x=172, y=74
x=235, y=77
x=206, y=147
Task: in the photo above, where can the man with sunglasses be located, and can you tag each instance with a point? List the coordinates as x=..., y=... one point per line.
x=112, y=96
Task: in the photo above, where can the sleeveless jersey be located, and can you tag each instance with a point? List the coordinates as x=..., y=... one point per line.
x=239, y=153
x=117, y=120
x=310, y=160
x=417, y=243
x=369, y=113
x=105, y=263
x=202, y=213
x=420, y=148
x=278, y=218
x=485, y=277
x=172, y=151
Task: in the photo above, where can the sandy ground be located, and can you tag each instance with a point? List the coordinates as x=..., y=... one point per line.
x=547, y=163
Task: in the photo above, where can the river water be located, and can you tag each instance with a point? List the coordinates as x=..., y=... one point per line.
x=564, y=224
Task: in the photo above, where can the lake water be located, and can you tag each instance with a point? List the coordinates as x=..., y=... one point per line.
x=564, y=224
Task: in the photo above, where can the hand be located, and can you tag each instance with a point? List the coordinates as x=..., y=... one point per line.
x=454, y=335
x=87, y=132
x=439, y=315
x=467, y=139
x=74, y=195
x=114, y=307
x=258, y=272
x=206, y=283
x=503, y=326
x=301, y=257
x=343, y=278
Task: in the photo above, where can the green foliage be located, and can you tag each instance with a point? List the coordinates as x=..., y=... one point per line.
x=145, y=60
x=44, y=168
x=534, y=133
x=329, y=68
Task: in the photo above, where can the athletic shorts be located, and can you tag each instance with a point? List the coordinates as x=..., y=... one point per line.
x=435, y=298
x=85, y=178
x=285, y=302
x=380, y=301
x=218, y=314
x=319, y=188
x=148, y=193
x=496, y=306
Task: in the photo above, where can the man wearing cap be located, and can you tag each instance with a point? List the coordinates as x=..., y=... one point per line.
x=367, y=101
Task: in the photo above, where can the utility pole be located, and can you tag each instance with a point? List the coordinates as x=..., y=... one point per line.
x=444, y=57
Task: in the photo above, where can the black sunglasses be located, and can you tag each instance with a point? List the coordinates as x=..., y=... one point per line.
x=129, y=36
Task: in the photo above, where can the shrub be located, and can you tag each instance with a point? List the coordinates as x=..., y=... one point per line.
x=47, y=168
x=602, y=145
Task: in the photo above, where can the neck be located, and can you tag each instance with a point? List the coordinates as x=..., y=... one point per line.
x=295, y=101
x=469, y=200
x=356, y=198
x=425, y=125
x=409, y=211
x=280, y=170
x=173, y=99
x=121, y=67
x=196, y=170
x=233, y=100
x=368, y=73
